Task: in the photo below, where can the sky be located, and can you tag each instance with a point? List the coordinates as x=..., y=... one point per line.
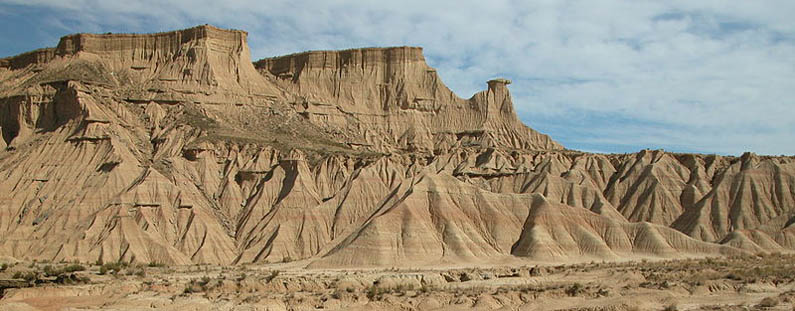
x=602, y=76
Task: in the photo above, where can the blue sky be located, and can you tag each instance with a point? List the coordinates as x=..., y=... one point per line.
x=605, y=76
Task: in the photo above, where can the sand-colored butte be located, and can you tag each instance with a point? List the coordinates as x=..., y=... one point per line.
x=175, y=148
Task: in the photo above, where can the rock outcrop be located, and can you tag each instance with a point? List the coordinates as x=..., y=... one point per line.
x=201, y=64
x=390, y=98
x=176, y=148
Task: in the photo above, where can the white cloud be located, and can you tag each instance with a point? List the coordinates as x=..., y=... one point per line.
x=686, y=75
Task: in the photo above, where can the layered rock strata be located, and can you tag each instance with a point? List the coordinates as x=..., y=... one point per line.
x=175, y=148
x=394, y=99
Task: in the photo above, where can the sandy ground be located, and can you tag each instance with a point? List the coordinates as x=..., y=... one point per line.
x=742, y=283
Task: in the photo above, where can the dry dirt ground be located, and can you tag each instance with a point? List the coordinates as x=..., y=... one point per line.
x=764, y=282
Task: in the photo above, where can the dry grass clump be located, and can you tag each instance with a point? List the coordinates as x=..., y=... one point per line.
x=272, y=275
x=53, y=271
x=29, y=276
x=574, y=290
x=122, y=268
x=198, y=285
x=773, y=268
x=58, y=274
x=375, y=292
x=112, y=267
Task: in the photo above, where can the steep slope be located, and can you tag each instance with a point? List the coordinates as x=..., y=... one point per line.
x=650, y=187
x=86, y=191
x=440, y=221
x=752, y=193
x=174, y=148
x=563, y=232
x=203, y=63
x=390, y=98
x=433, y=219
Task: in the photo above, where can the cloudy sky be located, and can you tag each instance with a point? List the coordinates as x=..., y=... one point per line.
x=607, y=76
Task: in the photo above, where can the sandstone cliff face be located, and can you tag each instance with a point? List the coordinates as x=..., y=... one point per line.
x=391, y=98
x=173, y=148
x=200, y=64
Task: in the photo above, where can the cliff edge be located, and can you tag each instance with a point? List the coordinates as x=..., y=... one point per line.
x=175, y=148
x=394, y=98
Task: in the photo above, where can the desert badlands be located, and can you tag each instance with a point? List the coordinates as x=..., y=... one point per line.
x=170, y=171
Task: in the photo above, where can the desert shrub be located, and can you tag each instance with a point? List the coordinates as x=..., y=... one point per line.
x=155, y=264
x=733, y=276
x=52, y=271
x=768, y=302
x=74, y=268
x=574, y=290
x=4, y=267
x=374, y=292
x=26, y=275
x=137, y=270
x=198, y=285
x=189, y=289
x=112, y=267
x=671, y=307
x=272, y=276
x=404, y=287
x=71, y=278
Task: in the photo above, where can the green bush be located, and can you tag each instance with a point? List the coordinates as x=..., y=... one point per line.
x=26, y=275
x=52, y=271
x=74, y=268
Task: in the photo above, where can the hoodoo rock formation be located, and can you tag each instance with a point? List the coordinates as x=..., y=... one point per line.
x=176, y=148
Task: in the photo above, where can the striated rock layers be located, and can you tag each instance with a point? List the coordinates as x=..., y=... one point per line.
x=392, y=97
x=176, y=148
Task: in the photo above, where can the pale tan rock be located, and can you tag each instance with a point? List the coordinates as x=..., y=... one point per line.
x=650, y=187
x=392, y=99
x=752, y=193
x=174, y=148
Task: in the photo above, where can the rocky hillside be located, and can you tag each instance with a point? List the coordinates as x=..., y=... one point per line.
x=175, y=148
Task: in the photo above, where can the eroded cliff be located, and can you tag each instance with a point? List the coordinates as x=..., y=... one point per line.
x=390, y=97
x=175, y=148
